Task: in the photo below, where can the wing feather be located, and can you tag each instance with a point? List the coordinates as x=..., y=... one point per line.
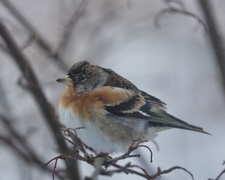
x=146, y=107
x=138, y=105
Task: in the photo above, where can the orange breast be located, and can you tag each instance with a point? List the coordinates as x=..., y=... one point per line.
x=83, y=105
x=92, y=104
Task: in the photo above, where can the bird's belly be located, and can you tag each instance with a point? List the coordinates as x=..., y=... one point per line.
x=91, y=134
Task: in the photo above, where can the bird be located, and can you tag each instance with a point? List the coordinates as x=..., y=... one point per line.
x=112, y=111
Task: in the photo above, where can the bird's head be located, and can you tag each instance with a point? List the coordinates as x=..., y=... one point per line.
x=84, y=77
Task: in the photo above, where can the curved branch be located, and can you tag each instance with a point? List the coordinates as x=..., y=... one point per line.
x=178, y=11
x=220, y=175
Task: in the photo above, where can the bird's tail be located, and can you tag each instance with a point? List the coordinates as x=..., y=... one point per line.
x=166, y=120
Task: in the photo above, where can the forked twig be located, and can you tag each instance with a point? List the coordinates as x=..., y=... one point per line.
x=102, y=161
x=178, y=11
x=159, y=172
x=220, y=175
x=55, y=164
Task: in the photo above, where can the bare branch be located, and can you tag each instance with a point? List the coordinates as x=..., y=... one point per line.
x=124, y=169
x=159, y=173
x=39, y=39
x=136, y=144
x=79, y=12
x=102, y=161
x=19, y=138
x=35, y=89
x=216, y=40
x=219, y=176
x=20, y=146
x=23, y=47
x=177, y=11
x=55, y=164
x=4, y=48
x=28, y=42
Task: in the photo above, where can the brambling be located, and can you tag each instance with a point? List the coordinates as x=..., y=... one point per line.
x=112, y=110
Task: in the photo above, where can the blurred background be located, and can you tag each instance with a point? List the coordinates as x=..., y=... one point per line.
x=167, y=54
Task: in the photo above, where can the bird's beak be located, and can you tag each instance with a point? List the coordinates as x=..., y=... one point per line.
x=66, y=80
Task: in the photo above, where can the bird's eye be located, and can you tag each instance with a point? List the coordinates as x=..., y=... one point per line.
x=82, y=78
x=72, y=73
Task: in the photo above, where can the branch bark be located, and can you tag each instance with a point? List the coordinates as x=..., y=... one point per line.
x=215, y=38
x=35, y=89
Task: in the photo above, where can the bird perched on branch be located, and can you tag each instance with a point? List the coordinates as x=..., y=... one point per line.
x=112, y=110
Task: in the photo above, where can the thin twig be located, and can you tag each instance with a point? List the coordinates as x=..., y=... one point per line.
x=135, y=145
x=76, y=141
x=159, y=173
x=20, y=153
x=125, y=169
x=28, y=42
x=151, y=153
x=102, y=161
x=73, y=21
x=178, y=2
x=220, y=175
x=41, y=41
x=156, y=145
x=178, y=11
x=23, y=47
x=55, y=164
x=21, y=141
